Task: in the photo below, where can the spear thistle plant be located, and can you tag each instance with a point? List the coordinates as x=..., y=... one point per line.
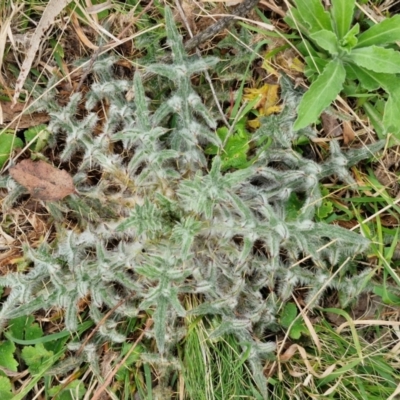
x=174, y=223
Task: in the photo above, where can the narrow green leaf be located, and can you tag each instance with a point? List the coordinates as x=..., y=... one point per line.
x=327, y=40
x=376, y=59
x=320, y=94
x=313, y=13
x=387, y=31
x=375, y=118
x=391, y=117
x=342, y=14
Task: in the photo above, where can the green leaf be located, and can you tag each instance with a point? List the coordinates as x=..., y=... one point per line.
x=387, y=31
x=313, y=13
x=375, y=118
x=324, y=210
x=25, y=328
x=7, y=359
x=376, y=59
x=75, y=390
x=320, y=94
x=327, y=40
x=293, y=206
x=8, y=142
x=289, y=313
x=342, y=14
x=234, y=153
x=350, y=39
x=17, y=326
x=295, y=21
x=370, y=80
x=314, y=65
x=5, y=388
x=391, y=117
x=38, y=133
x=35, y=357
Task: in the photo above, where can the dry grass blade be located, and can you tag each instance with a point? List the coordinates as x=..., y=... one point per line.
x=53, y=8
x=3, y=38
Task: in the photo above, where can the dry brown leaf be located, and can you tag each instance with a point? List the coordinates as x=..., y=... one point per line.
x=331, y=125
x=53, y=8
x=43, y=181
x=82, y=36
x=348, y=133
x=188, y=8
x=13, y=117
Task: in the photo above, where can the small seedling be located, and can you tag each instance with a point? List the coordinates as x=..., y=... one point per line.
x=288, y=315
x=336, y=51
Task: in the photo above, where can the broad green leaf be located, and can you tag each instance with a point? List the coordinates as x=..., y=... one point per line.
x=35, y=357
x=25, y=328
x=314, y=65
x=387, y=31
x=391, y=117
x=7, y=359
x=17, y=326
x=313, y=13
x=289, y=313
x=5, y=388
x=38, y=133
x=327, y=40
x=370, y=80
x=236, y=147
x=8, y=142
x=376, y=59
x=75, y=390
x=342, y=14
x=307, y=48
x=320, y=94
